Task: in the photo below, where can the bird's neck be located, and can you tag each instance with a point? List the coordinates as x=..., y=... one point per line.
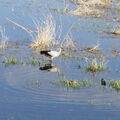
x=59, y=51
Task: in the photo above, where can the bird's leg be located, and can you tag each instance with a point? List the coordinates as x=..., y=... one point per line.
x=50, y=61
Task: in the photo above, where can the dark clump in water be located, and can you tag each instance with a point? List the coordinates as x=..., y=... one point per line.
x=103, y=82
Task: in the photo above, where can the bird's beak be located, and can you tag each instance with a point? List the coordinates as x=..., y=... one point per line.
x=62, y=48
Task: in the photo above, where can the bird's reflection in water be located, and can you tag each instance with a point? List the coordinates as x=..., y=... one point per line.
x=50, y=68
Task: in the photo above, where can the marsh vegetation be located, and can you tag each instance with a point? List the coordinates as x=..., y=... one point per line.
x=4, y=39
x=91, y=7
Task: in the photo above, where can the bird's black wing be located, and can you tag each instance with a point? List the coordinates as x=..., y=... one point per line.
x=46, y=53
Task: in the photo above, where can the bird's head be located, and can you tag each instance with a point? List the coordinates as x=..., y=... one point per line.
x=102, y=79
x=62, y=48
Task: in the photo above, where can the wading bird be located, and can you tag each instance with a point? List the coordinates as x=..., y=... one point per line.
x=51, y=54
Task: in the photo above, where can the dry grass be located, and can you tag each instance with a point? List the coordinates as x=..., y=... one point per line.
x=116, y=30
x=84, y=10
x=45, y=36
x=69, y=44
x=95, y=3
x=90, y=7
x=4, y=39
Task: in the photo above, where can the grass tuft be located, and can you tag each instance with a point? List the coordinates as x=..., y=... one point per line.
x=95, y=3
x=95, y=66
x=13, y=61
x=45, y=35
x=4, y=39
x=116, y=30
x=90, y=7
x=115, y=84
x=72, y=83
x=84, y=10
x=9, y=61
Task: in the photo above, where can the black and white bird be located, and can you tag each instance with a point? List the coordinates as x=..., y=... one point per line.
x=51, y=54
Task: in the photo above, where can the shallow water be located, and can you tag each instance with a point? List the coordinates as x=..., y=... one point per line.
x=27, y=92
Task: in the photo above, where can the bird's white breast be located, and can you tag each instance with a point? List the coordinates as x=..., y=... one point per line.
x=54, y=53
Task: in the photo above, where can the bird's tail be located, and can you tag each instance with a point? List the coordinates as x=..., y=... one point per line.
x=42, y=52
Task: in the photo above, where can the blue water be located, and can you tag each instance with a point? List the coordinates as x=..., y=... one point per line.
x=22, y=99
